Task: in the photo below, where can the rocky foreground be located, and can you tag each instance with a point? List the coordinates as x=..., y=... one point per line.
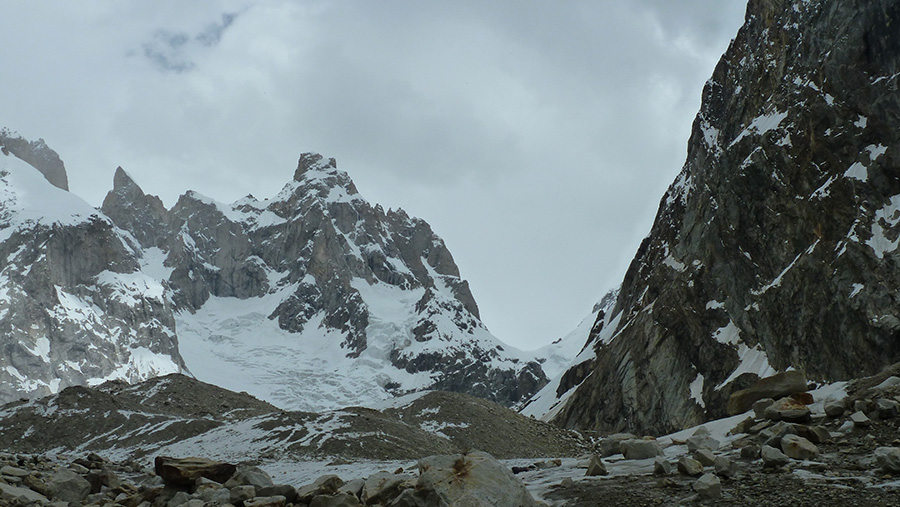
x=836, y=445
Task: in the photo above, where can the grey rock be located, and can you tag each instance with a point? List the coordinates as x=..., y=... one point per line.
x=725, y=467
x=887, y=409
x=354, y=486
x=408, y=498
x=384, y=486
x=702, y=442
x=773, y=387
x=760, y=406
x=68, y=486
x=640, y=449
x=342, y=499
x=611, y=444
x=772, y=457
x=750, y=451
x=249, y=475
x=689, y=466
x=888, y=459
x=215, y=496
x=708, y=486
x=797, y=447
x=266, y=501
x=705, y=456
x=242, y=492
x=325, y=485
x=38, y=155
x=846, y=427
x=178, y=499
x=815, y=434
x=835, y=408
x=662, y=466
x=13, y=471
x=286, y=490
x=596, y=467
x=892, y=381
x=10, y=494
x=860, y=420
x=476, y=476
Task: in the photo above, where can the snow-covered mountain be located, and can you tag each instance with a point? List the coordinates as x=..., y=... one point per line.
x=313, y=299
x=777, y=245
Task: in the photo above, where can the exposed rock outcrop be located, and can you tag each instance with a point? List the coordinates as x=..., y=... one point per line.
x=38, y=155
x=776, y=246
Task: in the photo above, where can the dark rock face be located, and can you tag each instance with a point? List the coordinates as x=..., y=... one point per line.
x=38, y=155
x=144, y=216
x=776, y=246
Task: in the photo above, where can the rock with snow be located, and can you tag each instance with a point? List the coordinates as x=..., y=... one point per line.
x=776, y=246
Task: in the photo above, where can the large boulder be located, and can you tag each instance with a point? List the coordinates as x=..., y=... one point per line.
x=775, y=387
x=184, y=471
x=68, y=486
x=471, y=479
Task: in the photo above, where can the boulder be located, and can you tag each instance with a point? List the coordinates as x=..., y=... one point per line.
x=835, y=408
x=596, y=467
x=249, y=475
x=68, y=486
x=797, y=447
x=183, y=472
x=888, y=459
x=702, y=442
x=859, y=419
x=324, y=485
x=776, y=386
x=342, y=499
x=815, y=434
x=725, y=467
x=242, y=492
x=708, y=487
x=772, y=457
x=789, y=410
x=382, y=487
x=10, y=495
x=640, y=449
x=266, y=501
x=611, y=444
x=12, y=471
x=887, y=409
x=760, y=406
x=750, y=451
x=689, y=466
x=662, y=466
x=475, y=476
x=889, y=382
x=705, y=457
x=286, y=490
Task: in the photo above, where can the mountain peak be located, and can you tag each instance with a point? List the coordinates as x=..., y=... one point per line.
x=38, y=155
x=313, y=162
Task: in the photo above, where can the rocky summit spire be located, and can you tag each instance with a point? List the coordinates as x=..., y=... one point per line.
x=776, y=247
x=313, y=162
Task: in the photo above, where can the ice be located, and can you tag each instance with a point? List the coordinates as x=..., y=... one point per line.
x=885, y=219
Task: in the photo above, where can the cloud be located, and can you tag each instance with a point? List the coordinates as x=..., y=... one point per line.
x=170, y=51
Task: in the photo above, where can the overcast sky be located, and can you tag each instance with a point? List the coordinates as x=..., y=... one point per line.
x=535, y=137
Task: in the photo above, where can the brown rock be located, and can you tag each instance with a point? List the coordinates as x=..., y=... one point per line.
x=776, y=386
x=184, y=471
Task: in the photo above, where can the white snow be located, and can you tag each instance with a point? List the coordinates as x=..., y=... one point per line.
x=885, y=219
x=857, y=287
x=857, y=171
x=861, y=122
x=41, y=349
x=751, y=360
x=760, y=125
x=697, y=390
x=730, y=334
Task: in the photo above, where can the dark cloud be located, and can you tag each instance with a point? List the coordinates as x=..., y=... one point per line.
x=213, y=33
x=172, y=51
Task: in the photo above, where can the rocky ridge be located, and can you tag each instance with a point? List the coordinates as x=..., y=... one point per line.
x=775, y=247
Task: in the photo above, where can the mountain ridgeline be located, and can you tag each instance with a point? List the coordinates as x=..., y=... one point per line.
x=313, y=299
x=776, y=246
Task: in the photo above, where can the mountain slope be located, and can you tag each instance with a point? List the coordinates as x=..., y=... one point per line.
x=315, y=299
x=71, y=294
x=776, y=246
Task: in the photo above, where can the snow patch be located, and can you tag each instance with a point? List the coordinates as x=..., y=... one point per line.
x=697, y=390
x=760, y=125
x=885, y=219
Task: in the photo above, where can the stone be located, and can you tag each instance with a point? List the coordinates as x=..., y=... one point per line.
x=702, y=442
x=184, y=471
x=266, y=501
x=743, y=426
x=384, y=486
x=324, y=485
x=708, y=486
x=476, y=477
x=179, y=498
x=689, y=466
x=760, y=406
x=596, y=467
x=846, y=427
x=354, y=487
x=887, y=383
x=887, y=409
x=14, y=471
x=860, y=420
x=772, y=457
x=408, y=498
x=341, y=499
x=756, y=428
x=835, y=408
x=286, y=490
x=797, y=447
x=10, y=494
x=815, y=434
x=888, y=459
x=776, y=386
x=750, y=451
x=864, y=406
x=640, y=449
x=705, y=457
x=662, y=466
x=725, y=467
x=611, y=444
x=788, y=410
x=249, y=475
x=242, y=492
x=68, y=486
x=215, y=496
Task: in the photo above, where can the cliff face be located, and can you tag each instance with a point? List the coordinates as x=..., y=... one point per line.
x=776, y=246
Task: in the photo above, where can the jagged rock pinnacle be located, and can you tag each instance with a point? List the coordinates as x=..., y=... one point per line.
x=313, y=161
